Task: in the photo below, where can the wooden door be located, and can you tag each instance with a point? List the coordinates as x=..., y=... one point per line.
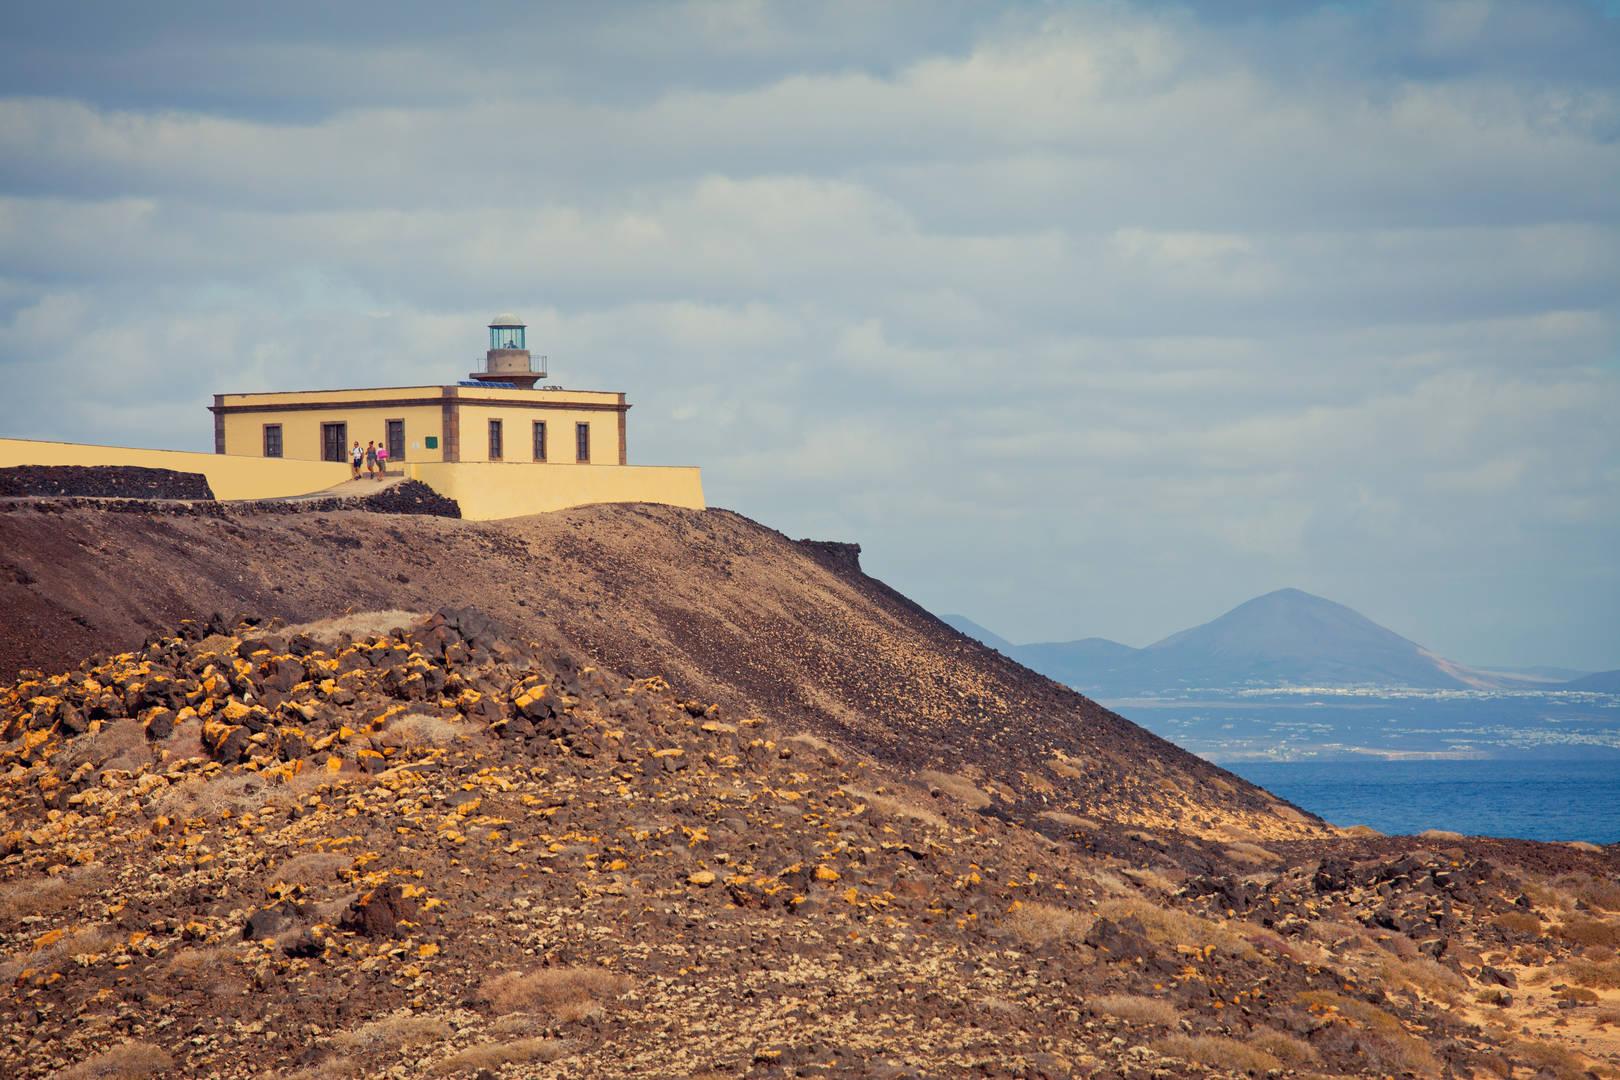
x=335, y=442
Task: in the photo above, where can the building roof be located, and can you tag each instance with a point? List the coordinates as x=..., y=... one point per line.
x=507, y=320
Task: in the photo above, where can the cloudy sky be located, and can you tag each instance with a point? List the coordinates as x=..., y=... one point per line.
x=1080, y=318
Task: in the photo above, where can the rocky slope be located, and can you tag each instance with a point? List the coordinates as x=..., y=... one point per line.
x=439, y=849
x=715, y=603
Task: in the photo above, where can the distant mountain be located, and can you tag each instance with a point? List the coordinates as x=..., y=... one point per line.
x=1284, y=638
x=1091, y=660
x=1289, y=637
x=1604, y=682
x=964, y=625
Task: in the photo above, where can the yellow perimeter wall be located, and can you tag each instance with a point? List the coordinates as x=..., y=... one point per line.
x=491, y=490
x=230, y=476
x=486, y=490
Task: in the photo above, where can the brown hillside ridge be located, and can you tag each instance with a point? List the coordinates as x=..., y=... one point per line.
x=383, y=845
x=715, y=603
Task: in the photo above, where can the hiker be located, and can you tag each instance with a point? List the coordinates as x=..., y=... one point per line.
x=371, y=459
x=382, y=461
x=356, y=456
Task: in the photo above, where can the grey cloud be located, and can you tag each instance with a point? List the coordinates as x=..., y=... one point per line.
x=1083, y=319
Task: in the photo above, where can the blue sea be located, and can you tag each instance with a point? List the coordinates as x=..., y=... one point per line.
x=1532, y=798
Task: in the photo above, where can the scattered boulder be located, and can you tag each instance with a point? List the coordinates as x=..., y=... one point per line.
x=379, y=912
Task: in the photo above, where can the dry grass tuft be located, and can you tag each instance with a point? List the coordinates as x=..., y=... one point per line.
x=91, y=941
x=1215, y=1052
x=492, y=1055
x=886, y=807
x=818, y=744
x=118, y=744
x=312, y=867
x=1598, y=974
x=959, y=788
x=399, y=1030
x=1071, y=821
x=1519, y=922
x=1108, y=882
x=1551, y=1059
x=1583, y=930
x=332, y=1068
x=1336, y=934
x=1595, y=891
x=208, y=969
x=564, y=993
x=204, y=796
x=1065, y=768
x=1546, y=897
x=514, y=1025
x=359, y=624
x=417, y=731
x=1252, y=854
x=1421, y=973
x=1285, y=1048
x=1038, y=923
x=1149, y=878
x=46, y=895
x=1386, y=1045
x=1135, y=1009
x=1172, y=927
x=1300, y=952
x=129, y=1059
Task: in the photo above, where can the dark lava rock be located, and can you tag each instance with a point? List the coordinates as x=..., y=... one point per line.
x=1333, y=875
x=378, y=912
x=160, y=725
x=412, y=497
x=1122, y=940
x=103, y=482
x=266, y=923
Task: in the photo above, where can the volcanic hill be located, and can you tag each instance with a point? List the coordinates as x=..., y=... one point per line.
x=637, y=791
x=717, y=604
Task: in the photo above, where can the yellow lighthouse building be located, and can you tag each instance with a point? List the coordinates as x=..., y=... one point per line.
x=497, y=414
x=497, y=442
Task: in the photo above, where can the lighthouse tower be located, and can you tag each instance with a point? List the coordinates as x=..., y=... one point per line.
x=508, y=361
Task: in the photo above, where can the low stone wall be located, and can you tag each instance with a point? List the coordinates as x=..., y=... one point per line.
x=103, y=482
x=410, y=497
x=229, y=476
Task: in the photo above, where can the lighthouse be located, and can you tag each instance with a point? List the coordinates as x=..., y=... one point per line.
x=508, y=361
